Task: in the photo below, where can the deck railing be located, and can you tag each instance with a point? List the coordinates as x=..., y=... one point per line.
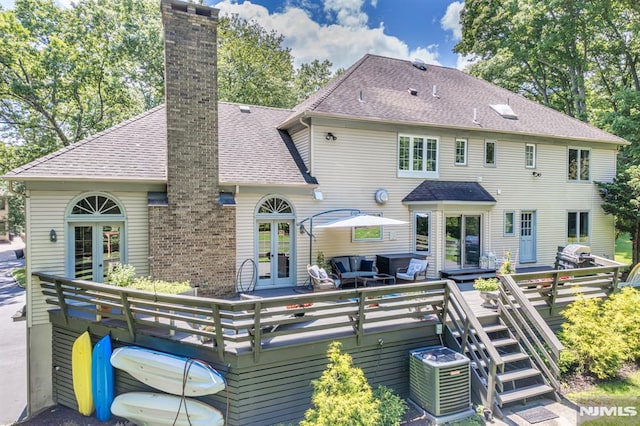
x=474, y=341
x=255, y=324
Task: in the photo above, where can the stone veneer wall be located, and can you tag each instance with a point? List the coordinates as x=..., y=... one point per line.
x=193, y=238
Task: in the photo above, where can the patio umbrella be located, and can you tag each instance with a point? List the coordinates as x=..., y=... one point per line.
x=361, y=220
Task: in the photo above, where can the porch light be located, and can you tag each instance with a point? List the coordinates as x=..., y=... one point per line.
x=331, y=137
x=52, y=236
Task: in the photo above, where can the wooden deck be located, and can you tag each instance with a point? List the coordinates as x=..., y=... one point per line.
x=268, y=354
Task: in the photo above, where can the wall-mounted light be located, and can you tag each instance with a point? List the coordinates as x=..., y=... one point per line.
x=536, y=174
x=317, y=195
x=52, y=236
x=331, y=137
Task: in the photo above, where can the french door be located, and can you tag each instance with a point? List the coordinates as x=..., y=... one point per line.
x=94, y=249
x=274, y=253
x=462, y=241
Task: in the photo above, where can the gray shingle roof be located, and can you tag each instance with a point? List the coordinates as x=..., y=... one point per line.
x=252, y=151
x=435, y=191
x=385, y=83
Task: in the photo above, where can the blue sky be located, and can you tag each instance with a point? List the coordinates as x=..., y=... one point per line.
x=345, y=30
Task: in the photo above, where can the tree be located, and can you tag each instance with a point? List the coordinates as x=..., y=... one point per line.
x=621, y=198
x=68, y=73
x=253, y=66
x=309, y=78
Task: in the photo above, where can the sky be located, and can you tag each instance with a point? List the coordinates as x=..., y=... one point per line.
x=343, y=31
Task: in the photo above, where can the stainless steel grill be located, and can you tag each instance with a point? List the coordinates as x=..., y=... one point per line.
x=574, y=256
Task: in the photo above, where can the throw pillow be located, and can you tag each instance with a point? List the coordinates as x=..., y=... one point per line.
x=341, y=267
x=314, y=271
x=323, y=274
x=366, y=265
x=412, y=269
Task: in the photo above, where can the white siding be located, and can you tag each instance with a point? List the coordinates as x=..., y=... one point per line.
x=303, y=145
x=47, y=211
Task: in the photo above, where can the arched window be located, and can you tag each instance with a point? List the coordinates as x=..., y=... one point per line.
x=275, y=242
x=275, y=205
x=96, y=205
x=96, y=236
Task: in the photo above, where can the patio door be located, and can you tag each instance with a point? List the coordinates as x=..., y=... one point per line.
x=462, y=241
x=94, y=248
x=528, y=236
x=274, y=253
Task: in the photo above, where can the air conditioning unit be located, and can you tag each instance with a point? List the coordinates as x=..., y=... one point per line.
x=440, y=383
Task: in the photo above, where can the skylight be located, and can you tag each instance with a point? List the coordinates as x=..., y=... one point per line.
x=505, y=111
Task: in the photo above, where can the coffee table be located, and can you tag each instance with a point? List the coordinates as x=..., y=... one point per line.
x=378, y=278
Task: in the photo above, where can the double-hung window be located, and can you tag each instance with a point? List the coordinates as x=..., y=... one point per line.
x=530, y=156
x=417, y=156
x=578, y=167
x=422, y=229
x=461, y=152
x=490, y=153
x=578, y=227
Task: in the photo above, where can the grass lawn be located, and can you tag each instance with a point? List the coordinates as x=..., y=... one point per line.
x=623, y=249
x=19, y=275
x=624, y=392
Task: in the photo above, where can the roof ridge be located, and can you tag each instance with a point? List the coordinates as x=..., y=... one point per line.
x=253, y=105
x=82, y=142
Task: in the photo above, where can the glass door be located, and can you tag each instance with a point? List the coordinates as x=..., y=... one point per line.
x=96, y=248
x=462, y=242
x=274, y=253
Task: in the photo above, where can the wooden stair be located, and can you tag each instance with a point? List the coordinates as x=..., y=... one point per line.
x=519, y=380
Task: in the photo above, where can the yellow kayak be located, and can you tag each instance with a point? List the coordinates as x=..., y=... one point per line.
x=81, y=372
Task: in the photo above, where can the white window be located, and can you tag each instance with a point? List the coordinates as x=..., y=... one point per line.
x=490, y=153
x=509, y=226
x=422, y=230
x=578, y=167
x=417, y=156
x=578, y=227
x=367, y=233
x=530, y=156
x=461, y=152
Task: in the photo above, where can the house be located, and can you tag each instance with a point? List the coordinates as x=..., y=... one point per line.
x=193, y=188
x=4, y=217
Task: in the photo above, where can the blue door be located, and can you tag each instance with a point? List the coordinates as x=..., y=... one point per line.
x=527, y=236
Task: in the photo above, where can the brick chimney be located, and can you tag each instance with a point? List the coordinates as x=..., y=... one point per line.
x=193, y=236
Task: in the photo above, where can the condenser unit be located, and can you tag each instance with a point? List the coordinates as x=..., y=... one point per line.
x=440, y=383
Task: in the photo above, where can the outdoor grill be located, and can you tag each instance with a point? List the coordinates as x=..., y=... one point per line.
x=574, y=256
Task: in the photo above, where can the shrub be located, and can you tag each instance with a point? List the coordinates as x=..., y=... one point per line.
x=391, y=407
x=486, y=284
x=341, y=396
x=592, y=336
x=158, y=286
x=623, y=312
x=121, y=275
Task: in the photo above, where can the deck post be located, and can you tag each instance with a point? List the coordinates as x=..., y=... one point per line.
x=126, y=310
x=63, y=302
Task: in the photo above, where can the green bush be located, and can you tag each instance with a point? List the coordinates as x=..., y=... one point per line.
x=342, y=396
x=121, y=275
x=600, y=336
x=391, y=406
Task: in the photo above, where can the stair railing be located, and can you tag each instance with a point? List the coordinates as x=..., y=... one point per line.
x=474, y=341
x=530, y=329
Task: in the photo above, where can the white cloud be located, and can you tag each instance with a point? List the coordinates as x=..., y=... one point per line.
x=374, y=3
x=347, y=12
x=451, y=19
x=342, y=44
x=466, y=60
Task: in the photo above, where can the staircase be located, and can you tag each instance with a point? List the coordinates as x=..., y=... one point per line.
x=508, y=349
x=517, y=379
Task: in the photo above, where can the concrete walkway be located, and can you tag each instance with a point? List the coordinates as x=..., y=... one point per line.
x=13, y=374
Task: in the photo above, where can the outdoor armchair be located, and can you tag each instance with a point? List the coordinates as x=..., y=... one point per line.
x=321, y=280
x=415, y=269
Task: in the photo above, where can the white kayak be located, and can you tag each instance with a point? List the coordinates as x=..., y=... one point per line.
x=168, y=373
x=148, y=408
